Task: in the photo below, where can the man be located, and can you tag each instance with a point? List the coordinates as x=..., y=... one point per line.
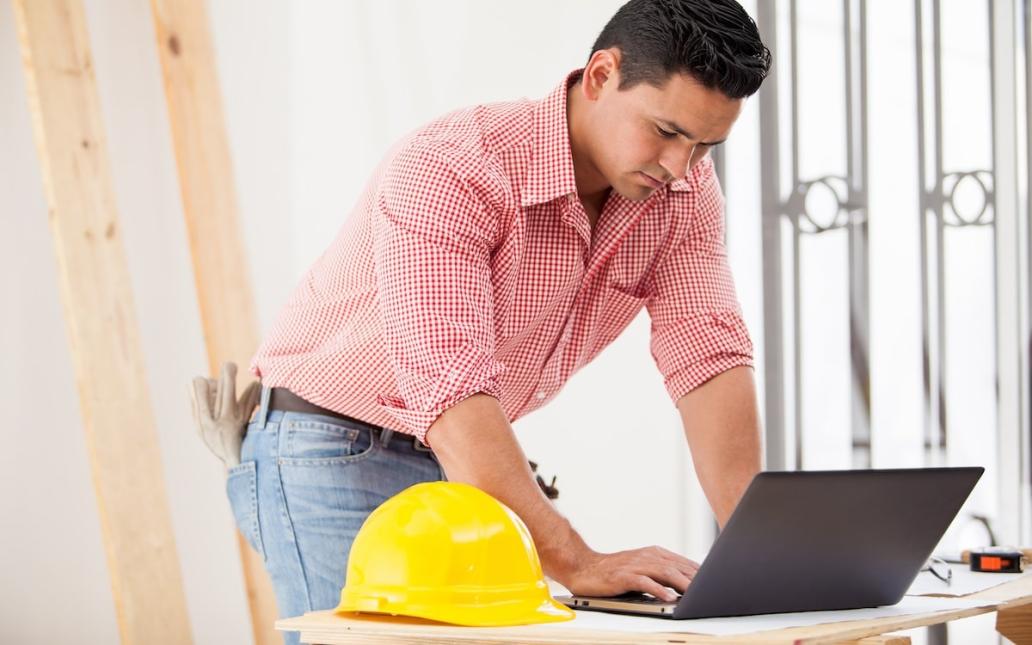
x=493, y=253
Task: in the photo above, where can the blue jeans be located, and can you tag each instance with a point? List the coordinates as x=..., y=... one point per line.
x=304, y=486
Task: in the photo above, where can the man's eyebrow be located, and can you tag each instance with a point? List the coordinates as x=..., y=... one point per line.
x=670, y=125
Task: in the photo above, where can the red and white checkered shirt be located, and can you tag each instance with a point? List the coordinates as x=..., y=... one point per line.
x=469, y=265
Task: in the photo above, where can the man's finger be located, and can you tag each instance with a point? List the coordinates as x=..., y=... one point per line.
x=648, y=585
x=674, y=555
x=690, y=568
x=685, y=564
x=688, y=571
x=666, y=574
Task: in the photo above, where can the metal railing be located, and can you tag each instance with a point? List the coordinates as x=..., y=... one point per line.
x=1002, y=207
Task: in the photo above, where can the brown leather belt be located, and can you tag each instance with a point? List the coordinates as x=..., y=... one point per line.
x=280, y=398
x=284, y=400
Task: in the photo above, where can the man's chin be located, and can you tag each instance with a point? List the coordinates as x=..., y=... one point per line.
x=634, y=192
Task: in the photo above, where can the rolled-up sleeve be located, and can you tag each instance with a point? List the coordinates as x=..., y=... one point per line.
x=697, y=327
x=432, y=261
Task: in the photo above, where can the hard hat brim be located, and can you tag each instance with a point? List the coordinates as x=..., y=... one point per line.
x=486, y=615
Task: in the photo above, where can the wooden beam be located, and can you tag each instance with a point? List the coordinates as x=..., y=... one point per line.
x=206, y=182
x=96, y=295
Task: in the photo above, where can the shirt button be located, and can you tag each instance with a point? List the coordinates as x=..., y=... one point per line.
x=540, y=396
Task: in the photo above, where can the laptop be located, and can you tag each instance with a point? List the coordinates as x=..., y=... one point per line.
x=815, y=541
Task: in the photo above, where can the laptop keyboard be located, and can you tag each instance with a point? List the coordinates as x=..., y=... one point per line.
x=639, y=598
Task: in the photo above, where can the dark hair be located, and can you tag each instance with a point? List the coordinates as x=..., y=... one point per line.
x=713, y=41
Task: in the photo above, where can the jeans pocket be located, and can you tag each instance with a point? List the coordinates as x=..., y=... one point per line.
x=312, y=442
x=242, y=490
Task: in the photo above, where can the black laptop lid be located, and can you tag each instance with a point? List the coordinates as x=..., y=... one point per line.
x=823, y=540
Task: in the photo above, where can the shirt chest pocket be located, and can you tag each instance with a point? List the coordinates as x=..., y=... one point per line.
x=619, y=303
x=618, y=306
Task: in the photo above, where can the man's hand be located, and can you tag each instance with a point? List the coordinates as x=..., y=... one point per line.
x=651, y=570
x=222, y=418
x=476, y=445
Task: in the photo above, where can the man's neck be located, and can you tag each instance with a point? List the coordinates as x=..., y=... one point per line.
x=592, y=187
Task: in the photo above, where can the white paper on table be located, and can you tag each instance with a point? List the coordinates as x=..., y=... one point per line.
x=749, y=624
x=964, y=582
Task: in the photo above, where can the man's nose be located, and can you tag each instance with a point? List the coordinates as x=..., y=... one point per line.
x=677, y=160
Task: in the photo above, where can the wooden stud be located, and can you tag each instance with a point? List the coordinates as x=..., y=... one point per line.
x=96, y=294
x=206, y=182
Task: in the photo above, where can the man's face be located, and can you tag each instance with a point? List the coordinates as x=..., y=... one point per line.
x=646, y=136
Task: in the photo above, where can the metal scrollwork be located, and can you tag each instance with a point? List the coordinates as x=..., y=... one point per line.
x=952, y=182
x=812, y=222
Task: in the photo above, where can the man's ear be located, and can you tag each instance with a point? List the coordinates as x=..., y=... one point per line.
x=602, y=73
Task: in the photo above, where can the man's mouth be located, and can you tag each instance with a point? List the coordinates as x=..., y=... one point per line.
x=651, y=181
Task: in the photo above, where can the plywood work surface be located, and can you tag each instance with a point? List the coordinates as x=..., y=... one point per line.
x=328, y=628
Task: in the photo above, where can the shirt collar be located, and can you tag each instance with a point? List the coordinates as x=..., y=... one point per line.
x=686, y=184
x=550, y=174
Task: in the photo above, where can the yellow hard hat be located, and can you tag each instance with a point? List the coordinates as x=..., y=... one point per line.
x=449, y=552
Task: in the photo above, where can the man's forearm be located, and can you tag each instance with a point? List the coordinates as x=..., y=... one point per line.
x=721, y=423
x=476, y=445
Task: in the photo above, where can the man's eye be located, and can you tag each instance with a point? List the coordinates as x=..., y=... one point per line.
x=667, y=135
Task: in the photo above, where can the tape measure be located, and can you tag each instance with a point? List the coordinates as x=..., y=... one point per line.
x=997, y=559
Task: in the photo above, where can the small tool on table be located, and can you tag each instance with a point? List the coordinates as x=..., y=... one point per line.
x=997, y=559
